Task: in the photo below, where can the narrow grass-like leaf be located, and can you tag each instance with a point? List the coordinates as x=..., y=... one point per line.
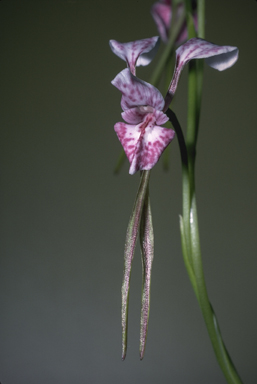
x=186, y=258
x=130, y=244
x=224, y=351
x=147, y=252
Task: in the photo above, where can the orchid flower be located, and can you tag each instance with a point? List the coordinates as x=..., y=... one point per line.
x=162, y=15
x=136, y=53
x=143, y=139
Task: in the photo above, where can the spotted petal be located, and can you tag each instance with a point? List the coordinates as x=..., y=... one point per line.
x=149, y=148
x=162, y=15
x=219, y=57
x=136, y=92
x=136, y=53
x=128, y=136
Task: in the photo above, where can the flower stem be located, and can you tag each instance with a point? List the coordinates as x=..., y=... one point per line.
x=192, y=257
x=211, y=322
x=189, y=224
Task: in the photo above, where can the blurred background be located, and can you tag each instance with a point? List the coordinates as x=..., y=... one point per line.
x=64, y=213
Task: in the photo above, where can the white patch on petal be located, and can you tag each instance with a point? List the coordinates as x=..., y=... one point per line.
x=223, y=61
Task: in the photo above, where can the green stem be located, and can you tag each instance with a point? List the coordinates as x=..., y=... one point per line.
x=201, y=18
x=211, y=322
x=195, y=81
x=186, y=202
x=193, y=261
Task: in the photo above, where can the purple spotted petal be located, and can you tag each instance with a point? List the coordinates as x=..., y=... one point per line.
x=128, y=136
x=149, y=148
x=136, y=92
x=216, y=56
x=161, y=12
x=162, y=15
x=145, y=142
x=219, y=57
x=136, y=53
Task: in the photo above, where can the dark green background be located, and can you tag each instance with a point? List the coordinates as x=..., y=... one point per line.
x=64, y=213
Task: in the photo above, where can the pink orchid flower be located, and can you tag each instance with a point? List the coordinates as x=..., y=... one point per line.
x=162, y=15
x=143, y=138
x=136, y=53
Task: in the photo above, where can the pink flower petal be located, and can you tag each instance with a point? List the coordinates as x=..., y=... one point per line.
x=161, y=118
x=162, y=15
x=183, y=35
x=136, y=92
x=128, y=136
x=150, y=147
x=219, y=57
x=136, y=53
x=225, y=56
x=161, y=12
x=145, y=142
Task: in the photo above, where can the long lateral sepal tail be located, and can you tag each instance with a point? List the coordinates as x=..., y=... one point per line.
x=147, y=251
x=130, y=244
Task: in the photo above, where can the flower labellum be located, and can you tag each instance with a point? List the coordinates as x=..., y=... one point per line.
x=143, y=139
